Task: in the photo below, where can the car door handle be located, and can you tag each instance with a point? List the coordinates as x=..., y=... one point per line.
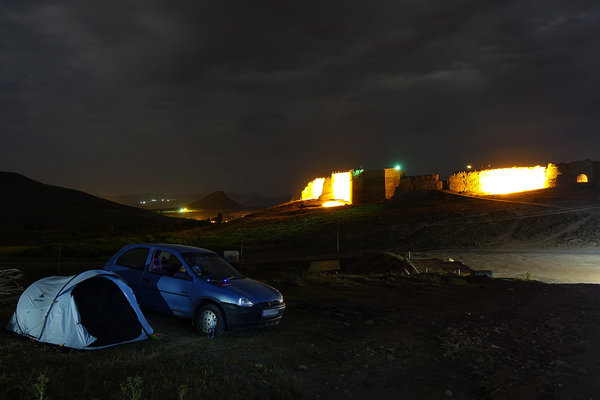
x=146, y=280
x=184, y=293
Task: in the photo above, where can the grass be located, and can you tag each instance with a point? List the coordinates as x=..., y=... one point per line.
x=440, y=222
x=135, y=372
x=259, y=363
x=133, y=388
x=39, y=386
x=347, y=336
x=525, y=276
x=352, y=333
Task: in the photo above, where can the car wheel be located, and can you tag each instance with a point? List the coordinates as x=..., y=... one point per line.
x=210, y=321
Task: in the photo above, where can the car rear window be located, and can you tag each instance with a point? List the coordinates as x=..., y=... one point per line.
x=134, y=258
x=210, y=266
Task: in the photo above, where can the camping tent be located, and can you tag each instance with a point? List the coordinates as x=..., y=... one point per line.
x=92, y=310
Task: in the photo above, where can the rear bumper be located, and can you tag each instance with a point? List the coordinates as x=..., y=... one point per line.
x=245, y=317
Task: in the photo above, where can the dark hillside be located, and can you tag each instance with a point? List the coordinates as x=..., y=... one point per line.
x=417, y=221
x=32, y=211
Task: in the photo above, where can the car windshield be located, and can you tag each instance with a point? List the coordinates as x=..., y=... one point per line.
x=210, y=266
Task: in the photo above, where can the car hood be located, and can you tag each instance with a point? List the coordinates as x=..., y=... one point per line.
x=256, y=291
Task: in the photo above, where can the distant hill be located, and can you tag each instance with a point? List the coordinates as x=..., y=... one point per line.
x=31, y=211
x=155, y=201
x=217, y=201
x=257, y=200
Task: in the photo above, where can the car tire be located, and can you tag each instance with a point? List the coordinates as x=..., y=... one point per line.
x=207, y=317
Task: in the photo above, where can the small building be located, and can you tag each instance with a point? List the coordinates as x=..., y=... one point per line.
x=579, y=172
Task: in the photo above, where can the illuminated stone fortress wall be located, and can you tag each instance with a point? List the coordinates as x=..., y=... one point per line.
x=520, y=179
x=361, y=186
x=504, y=180
x=353, y=187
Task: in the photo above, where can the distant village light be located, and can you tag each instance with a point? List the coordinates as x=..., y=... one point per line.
x=398, y=167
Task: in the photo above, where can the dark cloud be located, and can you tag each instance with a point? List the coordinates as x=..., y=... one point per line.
x=198, y=96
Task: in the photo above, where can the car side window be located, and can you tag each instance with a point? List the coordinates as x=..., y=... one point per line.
x=181, y=273
x=134, y=258
x=166, y=263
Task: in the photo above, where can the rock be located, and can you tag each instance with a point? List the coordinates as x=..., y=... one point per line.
x=449, y=393
x=302, y=367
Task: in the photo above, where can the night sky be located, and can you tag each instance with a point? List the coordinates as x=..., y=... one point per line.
x=196, y=96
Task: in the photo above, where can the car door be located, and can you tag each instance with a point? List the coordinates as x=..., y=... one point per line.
x=130, y=265
x=165, y=285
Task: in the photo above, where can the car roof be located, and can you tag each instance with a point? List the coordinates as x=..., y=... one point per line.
x=173, y=247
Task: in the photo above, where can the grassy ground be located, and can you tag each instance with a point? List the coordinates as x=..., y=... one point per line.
x=420, y=221
x=348, y=337
x=417, y=222
x=382, y=336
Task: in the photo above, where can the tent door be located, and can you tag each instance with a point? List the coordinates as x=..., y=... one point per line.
x=105, y=312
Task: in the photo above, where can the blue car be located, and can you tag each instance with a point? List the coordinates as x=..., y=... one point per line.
x=195, y=283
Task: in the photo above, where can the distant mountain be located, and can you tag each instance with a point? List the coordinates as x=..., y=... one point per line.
x=217, y=201
x=31, y=211
x=155, y=201
x=257, y=200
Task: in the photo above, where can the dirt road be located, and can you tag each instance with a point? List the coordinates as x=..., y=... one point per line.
x=545, y=265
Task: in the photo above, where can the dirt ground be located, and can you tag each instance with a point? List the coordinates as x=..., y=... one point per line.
x=545, y=265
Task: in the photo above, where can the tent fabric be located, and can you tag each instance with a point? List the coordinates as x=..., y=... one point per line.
x=92, y=310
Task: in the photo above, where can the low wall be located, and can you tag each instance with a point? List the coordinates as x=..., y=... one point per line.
x=392, y=180
x=368, y=186
x=464, y=182
x=419, y=183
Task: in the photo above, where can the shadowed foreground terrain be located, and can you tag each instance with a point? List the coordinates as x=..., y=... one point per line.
x=374, y=333
x=377, y=336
